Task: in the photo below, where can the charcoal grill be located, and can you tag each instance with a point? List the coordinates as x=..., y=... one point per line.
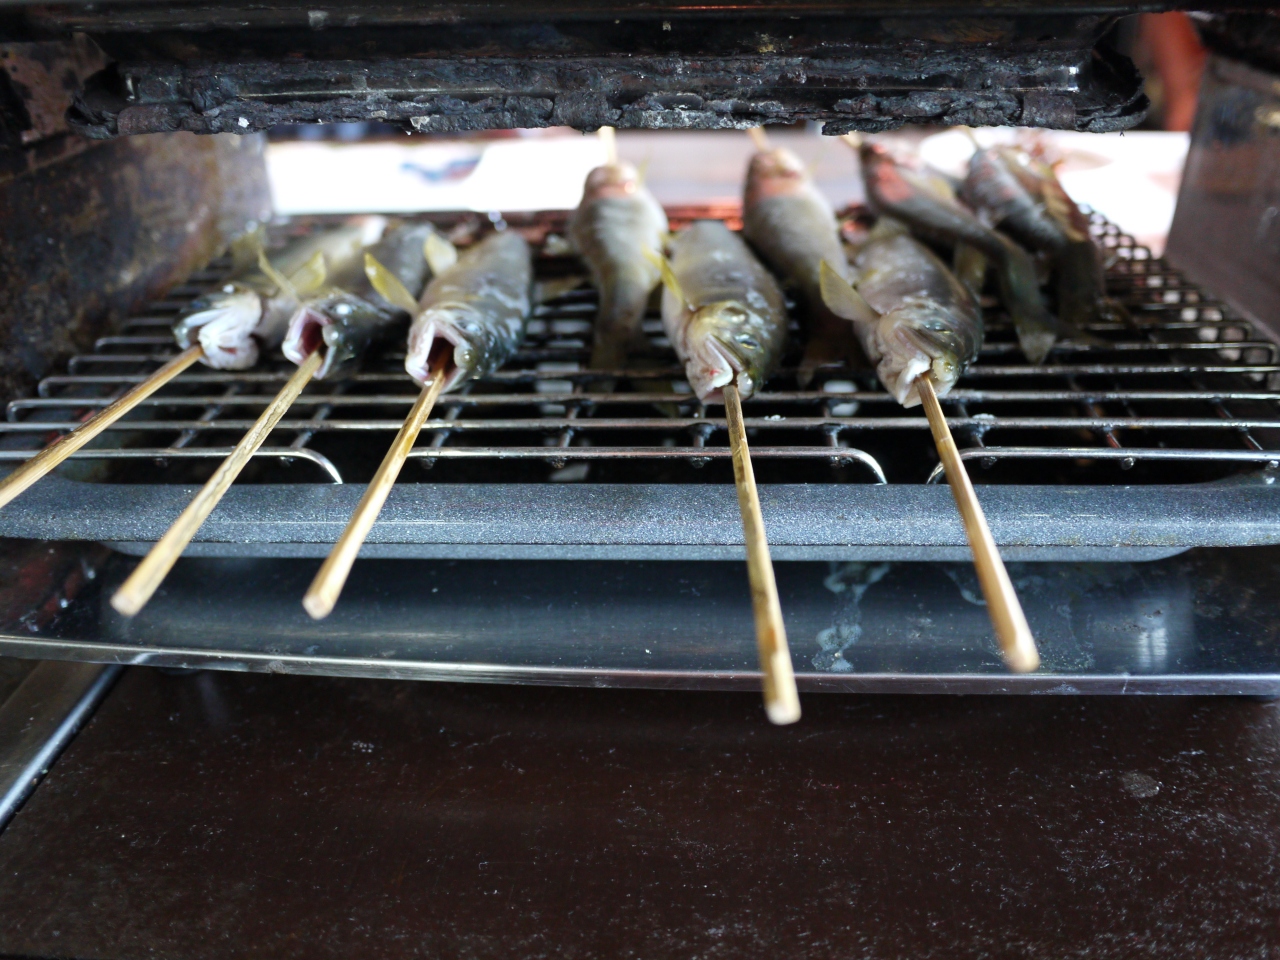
x=1160, y=435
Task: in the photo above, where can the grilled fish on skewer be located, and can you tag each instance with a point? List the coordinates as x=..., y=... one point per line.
x=912, y=315
x=1023, y=197
x=618, y=229
x=346, y=322
x=476, y=310
x=929, y=208
x=794, y=229
x=722, y=310
x=252, y=310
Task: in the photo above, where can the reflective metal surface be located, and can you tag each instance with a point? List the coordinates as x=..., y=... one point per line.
x=1206, y=621
x=39, y=719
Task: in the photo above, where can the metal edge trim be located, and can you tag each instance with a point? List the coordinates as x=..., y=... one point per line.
x=17, y=786
x=994, y=683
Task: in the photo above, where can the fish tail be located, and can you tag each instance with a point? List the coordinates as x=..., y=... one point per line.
x=224, y=325
x=618, y=331
x=1037, y=328
x=830, y=340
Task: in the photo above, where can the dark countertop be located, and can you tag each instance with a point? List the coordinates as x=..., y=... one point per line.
x=227, y=815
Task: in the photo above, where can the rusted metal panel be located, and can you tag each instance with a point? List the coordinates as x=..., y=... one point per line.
x=88, y=238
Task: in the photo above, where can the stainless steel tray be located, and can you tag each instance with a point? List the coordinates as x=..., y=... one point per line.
x=1207, y=621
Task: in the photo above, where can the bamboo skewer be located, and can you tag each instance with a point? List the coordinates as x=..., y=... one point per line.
x=781, y=700
x=759, y=138
x=51, y=456
x=1010, y=623
x=155, y=566
x=609, y=137
x=323, y=593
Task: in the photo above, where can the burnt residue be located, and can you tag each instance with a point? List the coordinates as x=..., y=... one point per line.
x=880, y=88
x=88, y=238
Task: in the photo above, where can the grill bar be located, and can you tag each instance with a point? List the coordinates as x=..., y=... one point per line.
x=1188, y=392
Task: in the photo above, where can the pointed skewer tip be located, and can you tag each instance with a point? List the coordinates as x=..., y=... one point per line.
x=322, y=596
x=760, y=139
x=1013, y=634
x=146, y=578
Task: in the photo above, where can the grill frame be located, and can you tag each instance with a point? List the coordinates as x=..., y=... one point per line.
x=829, y=520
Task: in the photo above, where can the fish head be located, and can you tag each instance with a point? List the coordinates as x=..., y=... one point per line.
x=724, y=342
x=887, y=181
x=774, y=173
x=223, y=322
x=922, y=336
x=619, y=179
x=340, y=324
x=454, y=333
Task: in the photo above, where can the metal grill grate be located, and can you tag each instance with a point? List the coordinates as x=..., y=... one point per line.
x=1190, y=392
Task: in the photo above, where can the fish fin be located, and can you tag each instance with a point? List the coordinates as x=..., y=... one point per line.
x=388, y=285
x=969, y=264
x=310, y=277
x=440, y=253
x=668, y=275
x=1116, y=312
x=244, y=249
x=840, y=296
x=275, y=276
x=547, y=290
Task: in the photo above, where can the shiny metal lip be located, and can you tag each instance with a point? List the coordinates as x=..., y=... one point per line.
x=997, y=681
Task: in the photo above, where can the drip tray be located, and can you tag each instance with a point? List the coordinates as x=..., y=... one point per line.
x=1202, y=622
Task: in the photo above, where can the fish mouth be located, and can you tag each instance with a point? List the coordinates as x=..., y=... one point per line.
x=309, y=332
x=711, y=365
x=433, y=339
x=223, y=325
x=908, y=350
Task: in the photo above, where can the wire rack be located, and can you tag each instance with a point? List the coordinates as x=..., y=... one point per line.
x=1188, y=392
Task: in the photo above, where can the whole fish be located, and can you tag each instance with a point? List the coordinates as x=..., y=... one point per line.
x=911, y=313
x=618, y=230
x=794, y=229
x=722, y=310
x=1024, y=197
x=475, y=310
x=345, y=322
x=929, y=208
x=252, y=310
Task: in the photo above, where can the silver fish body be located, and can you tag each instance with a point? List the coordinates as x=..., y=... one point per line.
x=251, y=312
x=1024, y=197
x=476, y=311
x=346, y=322
x=993, y=187
x=793, y=228
x=617, y=230
x=928, y=321
x=731, y=324
x=930, y=210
